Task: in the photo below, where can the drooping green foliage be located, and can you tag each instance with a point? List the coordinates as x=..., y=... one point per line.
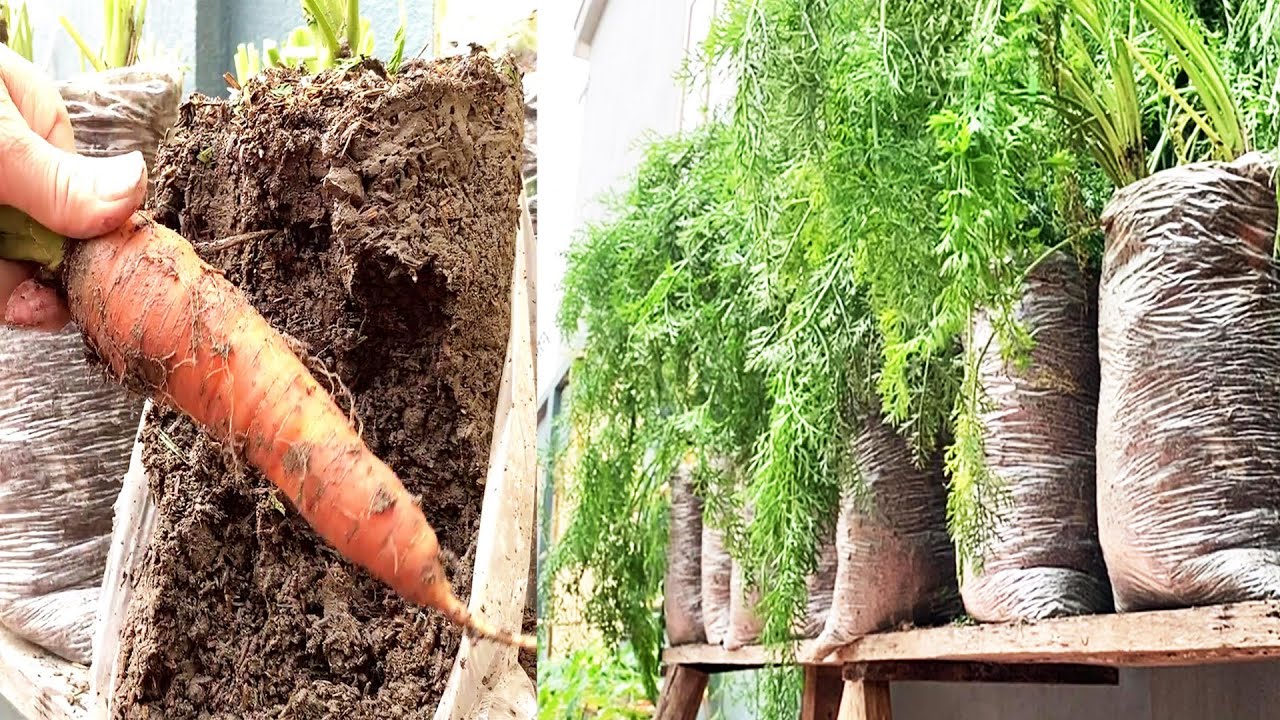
x=806, y=152
x=833, y=168
x=660, y=294
x=891, y=136
x=832, y=206
x=1010, y=196
x=1051, y=105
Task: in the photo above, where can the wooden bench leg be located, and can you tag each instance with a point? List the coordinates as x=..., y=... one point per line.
x=682, y=692
x=864, y=700
x=822, y=688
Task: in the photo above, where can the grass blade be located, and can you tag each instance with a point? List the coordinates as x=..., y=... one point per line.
x=397, y=50
x=79, y=40
x=1203, y=70
x=353, y=26
x=322, y=24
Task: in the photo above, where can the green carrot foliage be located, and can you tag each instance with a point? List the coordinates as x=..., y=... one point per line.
x=658, y=293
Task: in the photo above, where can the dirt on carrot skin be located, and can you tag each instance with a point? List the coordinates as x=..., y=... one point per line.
x=392, y=206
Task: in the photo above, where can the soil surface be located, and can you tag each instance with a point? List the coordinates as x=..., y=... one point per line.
x=373, y=221
x=529, y=658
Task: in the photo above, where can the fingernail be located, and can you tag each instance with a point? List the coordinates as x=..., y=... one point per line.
x=118, y=177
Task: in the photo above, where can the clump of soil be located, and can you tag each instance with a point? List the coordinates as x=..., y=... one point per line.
x=529, y=658
x=372, y=220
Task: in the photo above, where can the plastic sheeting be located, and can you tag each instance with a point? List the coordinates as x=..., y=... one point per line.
x=745, y=623
x=820, y=586
x=682, y=593
x=716, y=570
x=118, y=111
x=512, y=698
x=1189, y=408
x=500, y=575
x=1042, y=559
x=65, y=439
x=728, y=606
x=895, y=560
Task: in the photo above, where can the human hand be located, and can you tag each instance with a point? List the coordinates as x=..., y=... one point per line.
x=42, y=175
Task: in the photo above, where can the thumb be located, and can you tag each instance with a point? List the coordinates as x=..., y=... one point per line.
x=74, y=195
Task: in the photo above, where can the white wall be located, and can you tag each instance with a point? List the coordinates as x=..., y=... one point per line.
x=594, y=114
x=1248, y=691
x=631, y=90
x=1244, y=691
x=1130, y=700
x=560, y=121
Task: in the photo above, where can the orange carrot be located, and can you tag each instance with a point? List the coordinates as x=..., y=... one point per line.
x=171, y=326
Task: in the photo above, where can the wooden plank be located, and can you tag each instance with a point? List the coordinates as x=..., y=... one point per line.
x=40, y=685
x=1162, y=638
x=951, y=671
x=866, y=701
x=682, y=692
x=822, y=689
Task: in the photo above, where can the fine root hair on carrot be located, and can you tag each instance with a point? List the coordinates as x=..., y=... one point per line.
x=165, y=322
x=336, y=387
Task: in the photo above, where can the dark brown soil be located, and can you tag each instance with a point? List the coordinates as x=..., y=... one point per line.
x=529, y=658
x=391, y=208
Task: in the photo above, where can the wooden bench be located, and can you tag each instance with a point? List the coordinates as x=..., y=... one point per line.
x=853, y=682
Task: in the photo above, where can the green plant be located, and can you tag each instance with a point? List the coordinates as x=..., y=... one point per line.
x=726, y=308
x=1251, y=44
x=1011, y=194
x=1040, y=88
x=1141, y=82
x=660, y=294
x=894, y=169
x=122, y=31
x=16, y=31
x=829, y=119
x=833, y=175
x=597, y=682
x=334, y=33
x=397, y=42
